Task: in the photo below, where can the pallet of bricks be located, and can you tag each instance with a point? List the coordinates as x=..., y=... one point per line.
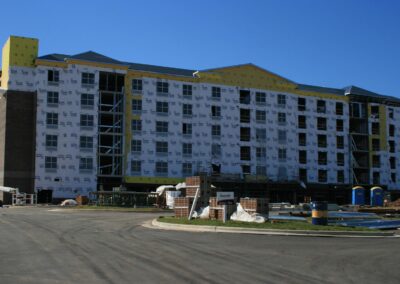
x=220, y=212
x=203, y=183
x=255, y=205
x=182, y=206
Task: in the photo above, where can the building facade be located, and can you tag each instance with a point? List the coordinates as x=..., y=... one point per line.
x=74, y=124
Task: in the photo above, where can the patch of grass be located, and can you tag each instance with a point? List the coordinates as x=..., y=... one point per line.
x=116, y=208
x=280, y=225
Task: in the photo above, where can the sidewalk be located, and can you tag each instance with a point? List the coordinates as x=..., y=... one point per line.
x=219, y=229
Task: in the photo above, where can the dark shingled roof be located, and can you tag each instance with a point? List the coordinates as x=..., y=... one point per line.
x=54, y=57
x=96, y=57
x=320, y=89
x=161, y=69
x=357, y=91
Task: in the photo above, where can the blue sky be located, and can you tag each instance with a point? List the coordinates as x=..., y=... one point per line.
x=328, y=43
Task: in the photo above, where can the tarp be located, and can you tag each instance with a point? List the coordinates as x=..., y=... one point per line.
x=180, y=185
x=170, y=195
x=69, y=202
x=243, y=216
x=8, y=189
x=160, y=190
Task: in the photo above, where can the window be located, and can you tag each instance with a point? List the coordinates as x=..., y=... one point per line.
x=322, y=141
x=301, y=104
x=261, y=153
x=187, y=129
x=136, y=166
x=282, y=136
x=245, y=97
x=187, y=109
x=162, y=107
x=87, y=78
x=87, y=100
x=261, y=170
x=340, y=142
x=376, y=145
x=52, y=119
x=376, y=161
x=162, y=87
x=136, y=105
x=53, y=76
x=136, y=146
x=392, y=161
x=87, y=120
x=303, y=157
x=137, y=85
x=187, y=169
x=216, y=150
x=375, y=128
x=161, y=147
x=187, y=90
x=261, y=98
x=302, y=122
x=302, y=139
x=244, y=115
x=321, y=106
x=216, y=93
x=322, y=176
x=358, y=110
x=281, y=100
x=375, y=111
x=261, y=116
x=246, y=169
x=245, y=153
x=322, y=158
x=215, y=111
x=86, y=163
x=216, y=130
x=187, y=149
x=261, y=134
x=282, y=154
x=392, y=146
x=52, y=98
x=376, y=178
x=339, y=108
x=245, y=133
x=51, y=141
x=340, y=176
x=339, y=125
x=391, y=130
x=340, y=159
x=281, y=118
x=86, y=142
x=136, y=125
x=50, y=163
x=393, y=177
x=303, y=175
x=162, y=126
x=391, y=113
x=321, y=123
x=161, y=167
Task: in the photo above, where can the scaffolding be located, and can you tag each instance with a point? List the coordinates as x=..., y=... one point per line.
x=110, y=128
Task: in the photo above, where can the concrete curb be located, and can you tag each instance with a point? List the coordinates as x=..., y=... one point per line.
x=155, y=224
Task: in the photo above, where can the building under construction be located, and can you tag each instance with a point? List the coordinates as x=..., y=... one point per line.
x=74, y=124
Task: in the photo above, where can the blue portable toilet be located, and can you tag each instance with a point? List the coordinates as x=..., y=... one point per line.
x=358, y=195
x=376, y=196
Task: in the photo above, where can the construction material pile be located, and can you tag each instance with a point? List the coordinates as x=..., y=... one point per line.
x=207, y=203
x=395, y=203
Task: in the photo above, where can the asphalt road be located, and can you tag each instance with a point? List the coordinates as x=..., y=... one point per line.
x=42, y=246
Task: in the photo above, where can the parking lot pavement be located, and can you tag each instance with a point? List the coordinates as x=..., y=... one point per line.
x=42, y=246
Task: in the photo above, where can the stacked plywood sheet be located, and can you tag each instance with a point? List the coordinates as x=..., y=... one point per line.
x=255, y=205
